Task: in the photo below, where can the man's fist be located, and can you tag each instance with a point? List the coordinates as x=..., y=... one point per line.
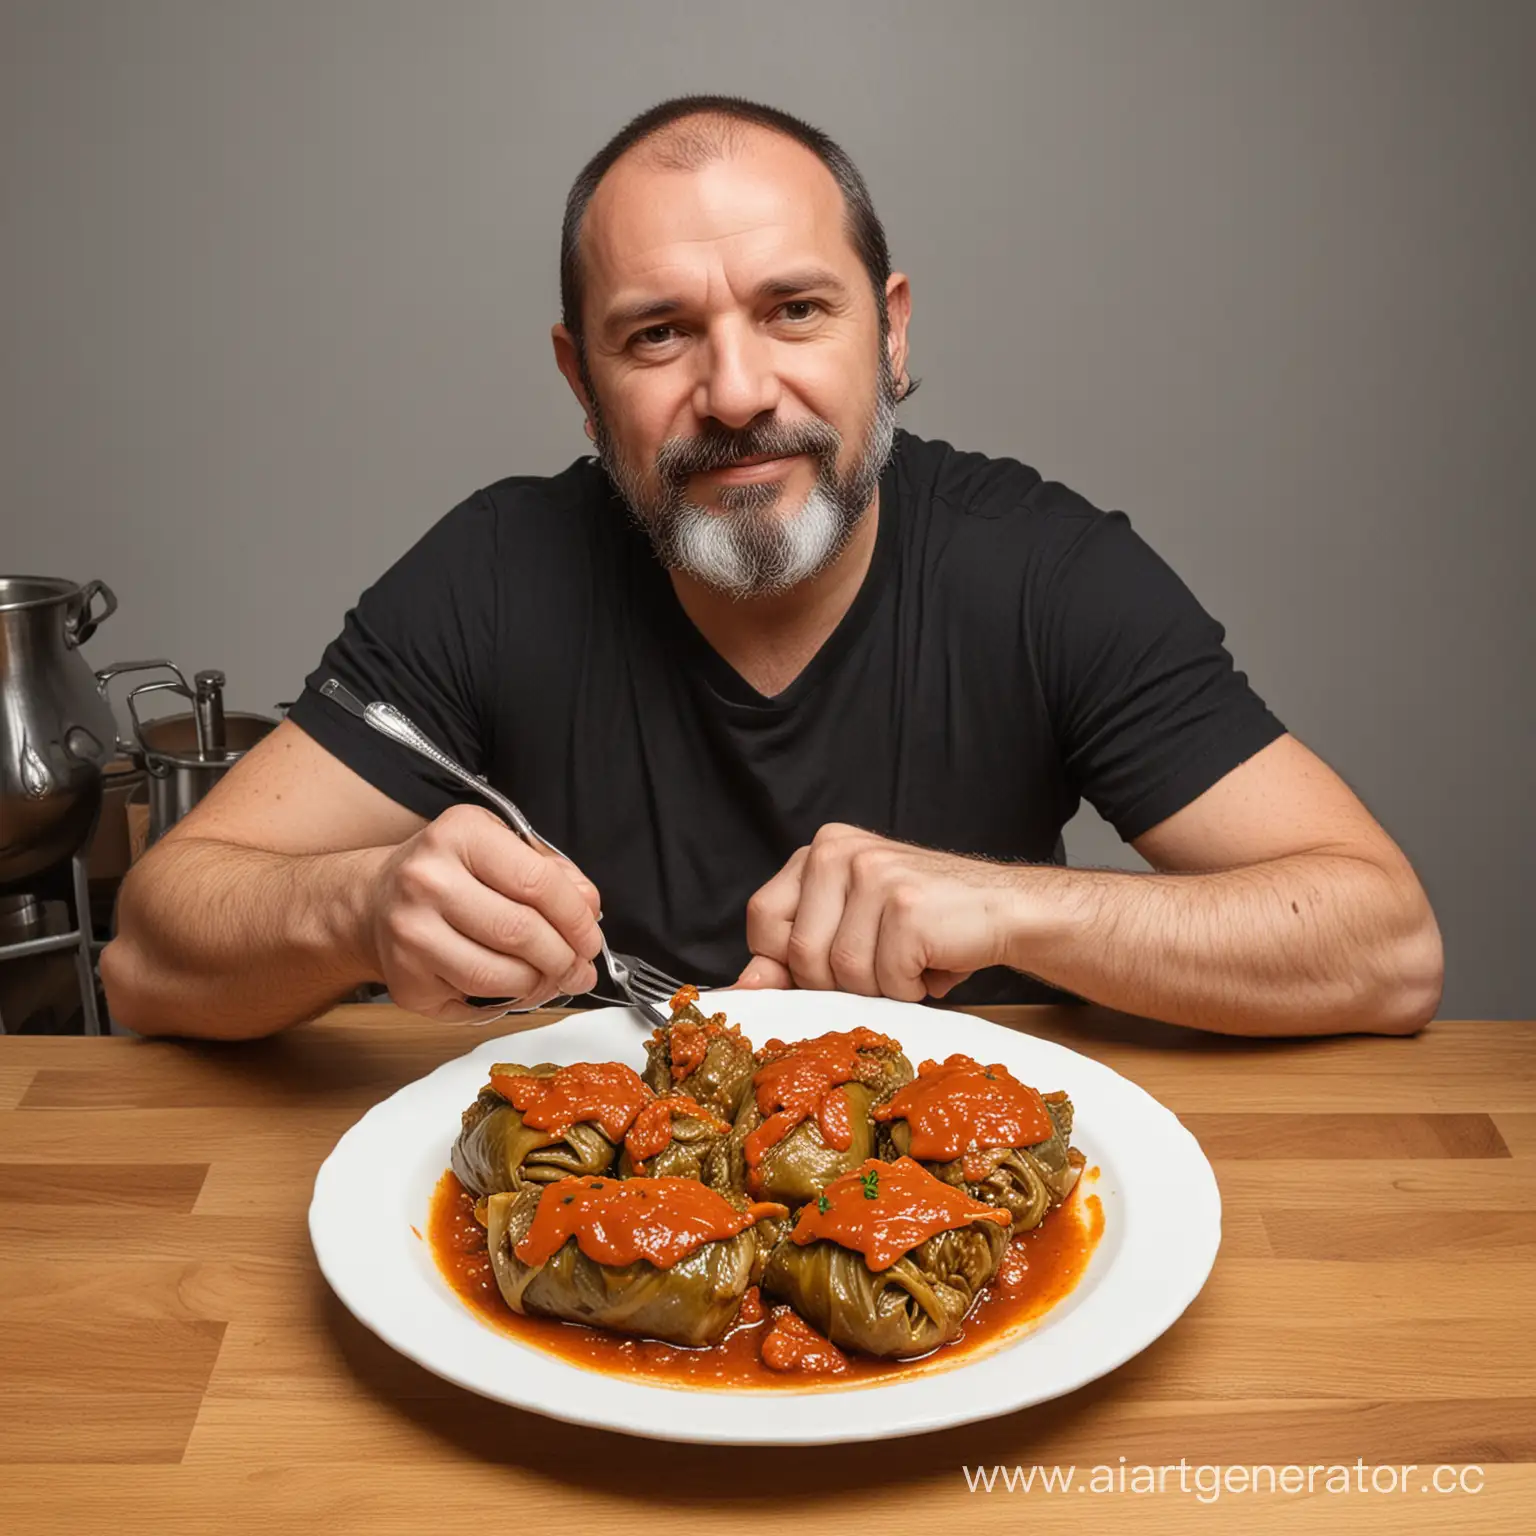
x=465, y=908
x=861, y=913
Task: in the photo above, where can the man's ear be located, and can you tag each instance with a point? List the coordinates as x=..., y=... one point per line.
x=568, y=362
x=898, y=309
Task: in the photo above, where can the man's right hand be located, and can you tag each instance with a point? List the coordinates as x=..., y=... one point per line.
x=294, y=880
x=465, y=908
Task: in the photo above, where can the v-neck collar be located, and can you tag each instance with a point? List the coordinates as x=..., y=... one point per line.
x=729, y=685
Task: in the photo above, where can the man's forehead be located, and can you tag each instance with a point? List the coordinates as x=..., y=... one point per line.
x=768, y=200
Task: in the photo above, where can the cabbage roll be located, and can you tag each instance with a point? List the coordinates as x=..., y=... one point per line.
x=662, y=1259
x=981, y=1130
x=807, y=1117
x=570, y=1122
x=888, y=1259
x=677, y=1137
x=704, y=1057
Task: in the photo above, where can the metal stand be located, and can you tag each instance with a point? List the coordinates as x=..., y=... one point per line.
x=76, y=890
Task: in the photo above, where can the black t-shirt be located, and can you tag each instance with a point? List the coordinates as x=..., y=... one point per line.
x=1011, y=649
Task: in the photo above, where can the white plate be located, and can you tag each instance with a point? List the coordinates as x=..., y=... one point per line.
x=1162, y=1226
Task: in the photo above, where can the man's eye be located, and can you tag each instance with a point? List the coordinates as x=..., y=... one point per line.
x=654, y=335
x=809, y=305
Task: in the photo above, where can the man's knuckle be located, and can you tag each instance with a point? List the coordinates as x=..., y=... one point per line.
x=826, y=854
x=534, y=875
x=487, y=978
x=403, y=928
x=421, y=878
x=849, y=962
x=558, y=958
x=512, y=929
x=801, y=951
x=446, y=830
x=867, y=864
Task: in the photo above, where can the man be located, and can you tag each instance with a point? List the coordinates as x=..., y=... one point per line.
x=808, y=700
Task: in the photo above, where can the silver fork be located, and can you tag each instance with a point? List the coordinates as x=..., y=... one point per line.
x=645, y=986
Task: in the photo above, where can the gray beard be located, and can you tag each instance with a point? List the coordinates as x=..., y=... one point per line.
x=749, y=548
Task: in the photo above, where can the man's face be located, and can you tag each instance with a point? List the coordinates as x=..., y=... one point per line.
x=728, y=318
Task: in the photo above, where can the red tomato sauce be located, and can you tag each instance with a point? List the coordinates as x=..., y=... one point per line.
x=688, y=1042
x=605, y=1093
x=791, y=1344
x=797, y=1081
x=652, y=1131
x=619, y=1221
x=884, y=1210
x=962, y=1104
x=1040, y=1269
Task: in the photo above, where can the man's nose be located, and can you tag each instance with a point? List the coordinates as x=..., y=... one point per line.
x=740, y=382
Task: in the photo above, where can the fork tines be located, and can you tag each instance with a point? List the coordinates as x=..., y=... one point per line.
x=650, y=981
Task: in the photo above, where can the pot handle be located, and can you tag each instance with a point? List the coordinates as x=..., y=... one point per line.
x=135, y=748
x=82, y=623
x=153, y=765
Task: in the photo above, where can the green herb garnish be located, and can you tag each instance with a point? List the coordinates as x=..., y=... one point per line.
x=871, y=1183
x=823, y=1204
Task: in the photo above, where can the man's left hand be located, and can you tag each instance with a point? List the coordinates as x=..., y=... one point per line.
x=860, y=913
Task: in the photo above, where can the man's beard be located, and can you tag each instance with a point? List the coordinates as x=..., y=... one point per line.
x=749, y=548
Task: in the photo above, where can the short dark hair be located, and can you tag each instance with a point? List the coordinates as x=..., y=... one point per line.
x=686, y=150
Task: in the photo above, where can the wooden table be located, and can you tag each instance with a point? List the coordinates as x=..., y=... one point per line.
x=171, y=1360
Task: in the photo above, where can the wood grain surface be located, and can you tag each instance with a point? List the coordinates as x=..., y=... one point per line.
x=172, y=1362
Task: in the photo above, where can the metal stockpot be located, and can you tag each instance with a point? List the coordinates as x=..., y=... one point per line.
x=56, y=731
x=178, y=776
x=184, y=756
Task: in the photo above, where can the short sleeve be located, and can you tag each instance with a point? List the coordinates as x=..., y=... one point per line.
x=421, y=638
x=1147, y=707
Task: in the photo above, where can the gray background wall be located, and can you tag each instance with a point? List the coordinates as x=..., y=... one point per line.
x=277, y=280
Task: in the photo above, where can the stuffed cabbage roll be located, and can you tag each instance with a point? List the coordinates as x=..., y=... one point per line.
x=981, y=1130
x=888, y=1259
x=657, y=1258
x=675, y=1136
x=538, y=1124
x=704, y=1057
x=807, y=1117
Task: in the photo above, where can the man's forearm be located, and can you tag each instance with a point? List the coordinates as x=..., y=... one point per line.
x=1308, y=944
x=229, y=942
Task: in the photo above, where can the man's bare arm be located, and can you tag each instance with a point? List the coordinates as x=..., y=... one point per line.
x=296, y=880
x=1309, y=944
x=1279, y=907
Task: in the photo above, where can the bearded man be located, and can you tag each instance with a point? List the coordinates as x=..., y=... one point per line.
x=807, y=700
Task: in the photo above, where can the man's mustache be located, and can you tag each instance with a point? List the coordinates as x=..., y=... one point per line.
x=681, y=457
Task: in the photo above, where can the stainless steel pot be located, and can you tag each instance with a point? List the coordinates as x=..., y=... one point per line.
x=56, y=731
x=179, y=774
x=184, y=756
